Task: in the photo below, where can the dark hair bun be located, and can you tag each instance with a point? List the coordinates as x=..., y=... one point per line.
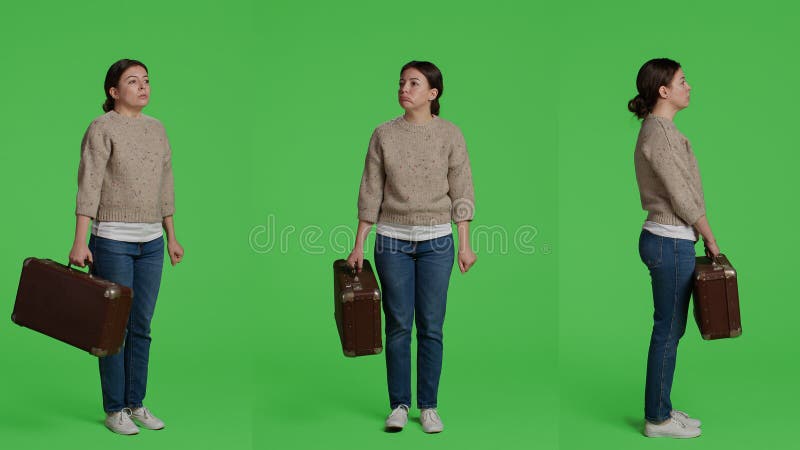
x=638, y=106
x=108, y=105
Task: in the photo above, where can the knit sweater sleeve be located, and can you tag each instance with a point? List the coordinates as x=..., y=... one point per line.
x=370, y=194
x=459, y=178
x=95, y=151
x=168, y=186
x=664, y=155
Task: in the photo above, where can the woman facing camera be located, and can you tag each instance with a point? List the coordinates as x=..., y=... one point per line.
x=125, y=193
x=672, y=194
x=416, y=180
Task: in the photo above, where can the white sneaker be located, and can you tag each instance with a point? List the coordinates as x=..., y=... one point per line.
x=120, y=422
x=681, y=416
x=145, y=418
x=397, y=419
x=431, y=423
x=671, y=428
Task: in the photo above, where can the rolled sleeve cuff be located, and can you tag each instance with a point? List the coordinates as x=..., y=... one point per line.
x=691, y=215
x=86, y=210
x=368, y=215
x=694, y=217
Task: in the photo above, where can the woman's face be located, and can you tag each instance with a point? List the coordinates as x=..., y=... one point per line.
x=677, y=93
x=414, y=93
x=133, y=90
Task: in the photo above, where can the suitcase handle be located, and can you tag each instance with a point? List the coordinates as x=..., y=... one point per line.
x=715, y=264
x=714, y=259
x=88, y=263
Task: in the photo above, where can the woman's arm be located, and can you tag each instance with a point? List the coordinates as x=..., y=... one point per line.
x=370, y=198
x=95, y=152
x=466, y=257
x=462, y=198
x=356, y=258
x=702, y=226
x=80, y=253
x=373, y=178
x=173, y=247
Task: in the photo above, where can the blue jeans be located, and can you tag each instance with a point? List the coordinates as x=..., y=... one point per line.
x=414, y=278
x=123, y=376
x=671, y=265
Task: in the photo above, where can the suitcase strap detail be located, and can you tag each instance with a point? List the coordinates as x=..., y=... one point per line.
x=731, y=321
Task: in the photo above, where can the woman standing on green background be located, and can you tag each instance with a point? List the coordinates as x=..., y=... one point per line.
x=672, y=194
x=416, y=179
x=125, y=190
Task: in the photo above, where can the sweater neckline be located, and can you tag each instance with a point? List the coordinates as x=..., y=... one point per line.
x=417, y=126
x=657, y=117
x=125, y=119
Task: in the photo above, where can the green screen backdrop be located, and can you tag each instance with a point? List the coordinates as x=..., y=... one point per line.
x=269, y=107
x=739, y=60
x=55, y=56
x=329, y=77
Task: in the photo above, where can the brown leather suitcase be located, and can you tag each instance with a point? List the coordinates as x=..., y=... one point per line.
x=72, y=306
x=716, y=298
x=357, y=308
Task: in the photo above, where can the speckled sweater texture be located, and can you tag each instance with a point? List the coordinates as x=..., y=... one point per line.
x=666, y=171
x=125, y=172
x=416, y=174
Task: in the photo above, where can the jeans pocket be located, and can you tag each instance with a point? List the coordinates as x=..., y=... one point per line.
x=651, y=249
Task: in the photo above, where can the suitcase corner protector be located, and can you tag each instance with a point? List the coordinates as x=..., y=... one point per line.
x=349, y=353
x=736, y=333
x=98, y=352
x=27, y=261
x=378, y=350
x=14, y=318
x=706, y=336
x=112, y=293
x=348, y=296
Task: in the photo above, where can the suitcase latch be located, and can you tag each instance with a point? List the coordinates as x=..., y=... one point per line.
x=354, y=286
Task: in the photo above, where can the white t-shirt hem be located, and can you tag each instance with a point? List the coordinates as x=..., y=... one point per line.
x=127, y=231
x=414, y=233
x=671, y=231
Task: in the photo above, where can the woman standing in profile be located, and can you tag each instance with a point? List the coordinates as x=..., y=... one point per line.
x=125, y=191
x=416, y=179
x=672, y=194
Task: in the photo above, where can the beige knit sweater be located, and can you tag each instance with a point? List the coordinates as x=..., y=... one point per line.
x=125, y=173
x=416, y=174
x=667, y=174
